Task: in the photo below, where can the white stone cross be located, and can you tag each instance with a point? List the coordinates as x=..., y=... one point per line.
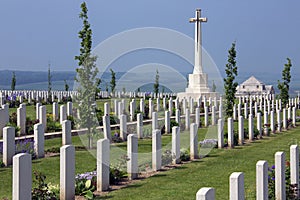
x=198, y=41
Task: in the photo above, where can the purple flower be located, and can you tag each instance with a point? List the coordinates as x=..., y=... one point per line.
x=273, y=166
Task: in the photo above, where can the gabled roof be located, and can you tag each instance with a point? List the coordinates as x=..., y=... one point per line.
x=252, y=81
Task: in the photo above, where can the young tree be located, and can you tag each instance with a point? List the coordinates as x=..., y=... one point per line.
x=13, y=82
x=66, y=85
x=112, y=81
x=229, y=83
x=214, y=87
x=284, y=86
x=156, y=84
x=87, y=79
x=106, y=87
x=49, y=84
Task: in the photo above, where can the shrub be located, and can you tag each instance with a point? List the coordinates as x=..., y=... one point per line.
x=53, y=126
x=72, y=120
x=1, y=163
x=118, y=171
x=208, y=143
x=25, y=146
x=173, y=123
x=290, y=194
x=86, y=184
x=184, y=154
x=42, y=191
x=116, y=138
x=30, y=125
x=166, y=157
x=13, y=118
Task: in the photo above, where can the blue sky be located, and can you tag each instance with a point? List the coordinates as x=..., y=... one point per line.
x=35, y=32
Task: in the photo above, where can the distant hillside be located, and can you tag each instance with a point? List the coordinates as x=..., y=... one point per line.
x=27, y=77
x=33, y=80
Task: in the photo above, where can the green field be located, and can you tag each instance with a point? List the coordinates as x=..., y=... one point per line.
x=180, y=183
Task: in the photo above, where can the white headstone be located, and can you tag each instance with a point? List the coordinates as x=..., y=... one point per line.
x=66, y=133
x=251, y=127
x=171, y=106
x=280, y=175
x=187, y=119
x=258, y=125
x=230, y=133
x=177, y=116
x=220, y=134
x=245, y=110
x=123, y=127
x=272, y=122
x=156, y=150
x=63, y=113
x=106, y=127
x=194, y=141
x=237, y=190
x=139, y=125
x=234, y=112
x=43, y=117
x=22, y=177
x=262, y=180
x=8, y=145
x=266, y=121
x=21, y=120
x=241, y=130
x=4, y=117
x=213, y=115
x=103, y=162
x=39, y=139
x=142, y=106
x=67, y=172
x=284, y=120
x=154, y=121
x=55, y=111
x=279, y=121
x=37, y=105
x=206, y=116
x=206, y=194
x=294, y=165
x=132, y=153
x=197, y=117
x=69, y=108
x=106, y=109
x=294, y=116
x=167, y=121
x=158, y=104
x=175, y=145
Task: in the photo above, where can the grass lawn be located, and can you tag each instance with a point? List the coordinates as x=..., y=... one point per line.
x=180, y=183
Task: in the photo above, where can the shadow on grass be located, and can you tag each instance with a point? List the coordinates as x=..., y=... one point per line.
x=159, y=175
x=104, y=197
x=134, y=186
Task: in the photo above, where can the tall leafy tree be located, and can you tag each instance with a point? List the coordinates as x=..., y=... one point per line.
x=214, y=87
x=156, y=84
x=66, y=85
x=106, y=87
x=112, y=81
x=87, y=79
x=229, y=82
x=49, y=84
x=284, y=86
x=13, y=81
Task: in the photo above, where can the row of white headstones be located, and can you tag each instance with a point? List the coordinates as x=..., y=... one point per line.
x=236, y=179
x=68, y=152
x=38, y=96
x=22, y=176
x=41, y=115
